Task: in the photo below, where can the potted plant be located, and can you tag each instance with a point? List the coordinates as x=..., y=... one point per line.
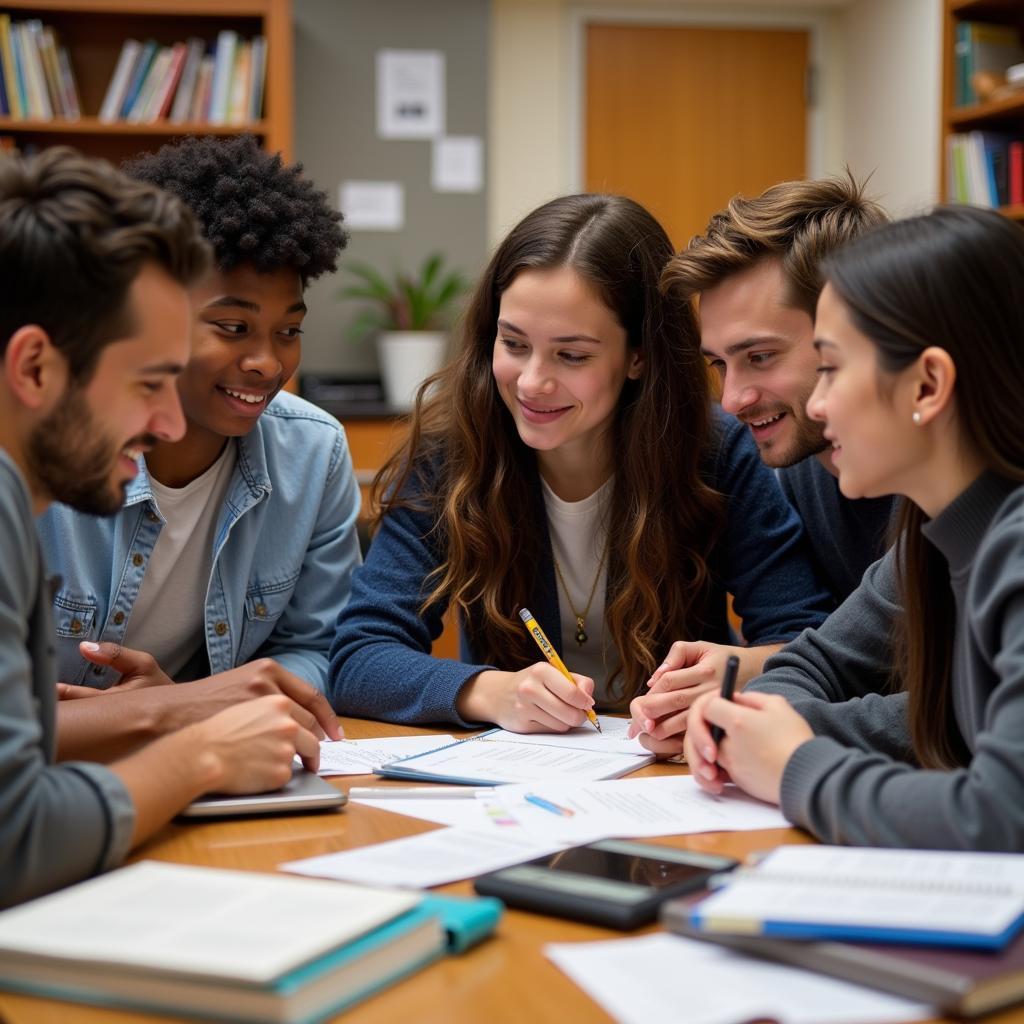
x=408, y=313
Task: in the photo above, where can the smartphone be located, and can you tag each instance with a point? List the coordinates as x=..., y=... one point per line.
x=616, y=883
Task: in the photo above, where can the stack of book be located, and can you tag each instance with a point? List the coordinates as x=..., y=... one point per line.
x=941, y=928
x=229, y=945
x=36, y=80
x=184, y=83
x=985, y=168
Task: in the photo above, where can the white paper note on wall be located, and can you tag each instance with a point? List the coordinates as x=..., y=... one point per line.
x=410, y=94
x=372, y=205
x=457, y=164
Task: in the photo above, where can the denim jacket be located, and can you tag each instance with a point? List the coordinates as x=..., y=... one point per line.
x=284, y=550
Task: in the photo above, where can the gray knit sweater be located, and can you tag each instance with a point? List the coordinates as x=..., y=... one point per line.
x=856, y=782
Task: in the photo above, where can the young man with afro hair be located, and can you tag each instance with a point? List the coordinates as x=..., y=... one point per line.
x=232, y=554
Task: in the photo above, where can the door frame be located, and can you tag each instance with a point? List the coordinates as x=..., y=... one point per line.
x=815, y=23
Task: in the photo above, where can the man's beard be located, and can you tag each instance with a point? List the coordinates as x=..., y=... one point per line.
x=809, y=440
x=74, y=461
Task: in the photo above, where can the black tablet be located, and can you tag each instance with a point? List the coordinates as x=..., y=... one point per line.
x=615, y=882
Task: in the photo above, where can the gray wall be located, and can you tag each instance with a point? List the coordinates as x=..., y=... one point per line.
x=335, y=137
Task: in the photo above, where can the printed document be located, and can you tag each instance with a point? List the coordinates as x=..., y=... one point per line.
x=669, y=978
x=364, y=757
x=611, y=739
x=627, y=808
x=432, y=858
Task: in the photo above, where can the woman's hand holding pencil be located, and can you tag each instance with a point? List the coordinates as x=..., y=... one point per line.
x=545, y=697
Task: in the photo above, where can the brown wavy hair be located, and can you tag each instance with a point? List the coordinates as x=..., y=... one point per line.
x=664, y=518
x=797, y=222
x=951, y=279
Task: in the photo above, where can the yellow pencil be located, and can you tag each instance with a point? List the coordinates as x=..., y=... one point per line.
x=551, y=654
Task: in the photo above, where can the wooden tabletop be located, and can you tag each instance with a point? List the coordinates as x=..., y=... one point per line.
x=506, y=980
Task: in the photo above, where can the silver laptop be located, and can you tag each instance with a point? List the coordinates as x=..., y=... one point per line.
x=304, y=792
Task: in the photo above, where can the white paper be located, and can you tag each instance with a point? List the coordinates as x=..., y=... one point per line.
x=629, y=809
x=670, y=978
x=432, y=858
x=485, y=760
x=459, y=813
x=372, y=205
x=410, y=94
x=457, y=164
x=364, y=757
x=612, y=738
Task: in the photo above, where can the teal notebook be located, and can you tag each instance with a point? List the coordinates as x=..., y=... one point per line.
x=243, y=984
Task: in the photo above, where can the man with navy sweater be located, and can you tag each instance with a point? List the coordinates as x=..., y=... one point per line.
x=755, y=274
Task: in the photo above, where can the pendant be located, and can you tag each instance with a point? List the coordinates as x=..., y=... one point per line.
x=581, y=633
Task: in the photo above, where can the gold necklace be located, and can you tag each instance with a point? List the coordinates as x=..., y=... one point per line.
x=581, y=633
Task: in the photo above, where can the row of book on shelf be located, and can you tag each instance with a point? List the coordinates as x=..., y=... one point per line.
x=185, y=83
x=985, y=168
x=983, y=47
x=36, y=80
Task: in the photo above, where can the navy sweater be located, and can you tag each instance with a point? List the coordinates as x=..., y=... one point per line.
x=381, y=666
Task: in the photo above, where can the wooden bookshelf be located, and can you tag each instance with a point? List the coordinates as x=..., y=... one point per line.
x=93, y=32
x=1003, y=115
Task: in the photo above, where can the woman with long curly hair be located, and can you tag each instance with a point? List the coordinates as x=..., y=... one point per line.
x=568, y=460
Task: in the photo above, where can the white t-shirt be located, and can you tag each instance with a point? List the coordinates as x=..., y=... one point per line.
x=579, y=534
x=168, y=619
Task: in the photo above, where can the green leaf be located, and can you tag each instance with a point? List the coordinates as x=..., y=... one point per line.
x=404, y=301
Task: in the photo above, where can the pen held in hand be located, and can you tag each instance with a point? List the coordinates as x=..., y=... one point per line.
x=728, y=689
x=552, y=655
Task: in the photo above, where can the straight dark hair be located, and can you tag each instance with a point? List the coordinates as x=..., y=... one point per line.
x=954, y=279
x=665, y=522
x=74, y=234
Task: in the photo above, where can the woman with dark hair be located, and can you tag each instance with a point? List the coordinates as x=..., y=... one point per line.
x=919, y=331
x=568, y=460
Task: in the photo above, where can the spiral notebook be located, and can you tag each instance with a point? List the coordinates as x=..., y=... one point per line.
x=497, y=757
x=928, y=897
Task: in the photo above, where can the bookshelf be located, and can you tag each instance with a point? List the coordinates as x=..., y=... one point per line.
x=1001, y=115
x=93, y=32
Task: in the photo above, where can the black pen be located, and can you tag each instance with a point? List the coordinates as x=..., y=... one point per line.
x=728, y=688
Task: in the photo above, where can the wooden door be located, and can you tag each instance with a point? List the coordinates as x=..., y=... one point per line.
x=682, y=118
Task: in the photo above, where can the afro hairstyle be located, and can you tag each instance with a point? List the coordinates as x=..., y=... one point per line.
x=253, y=209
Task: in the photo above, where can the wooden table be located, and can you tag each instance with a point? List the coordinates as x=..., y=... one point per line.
x=506, y=980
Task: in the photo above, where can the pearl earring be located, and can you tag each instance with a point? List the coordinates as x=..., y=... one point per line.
x=916, y=417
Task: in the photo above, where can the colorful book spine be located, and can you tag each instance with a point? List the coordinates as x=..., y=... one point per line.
x=258, y=77
x=165, y=93
x=238, y=93
x=113, y=101
x=139, y=110
x=9, y=71
x=224, y=62
x=35, y=79
x=1016, y=173
x=200, y=112
x=187, y=84
x=69, y=87
x=21, y=82
x=47, y=47
x=139, y=73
